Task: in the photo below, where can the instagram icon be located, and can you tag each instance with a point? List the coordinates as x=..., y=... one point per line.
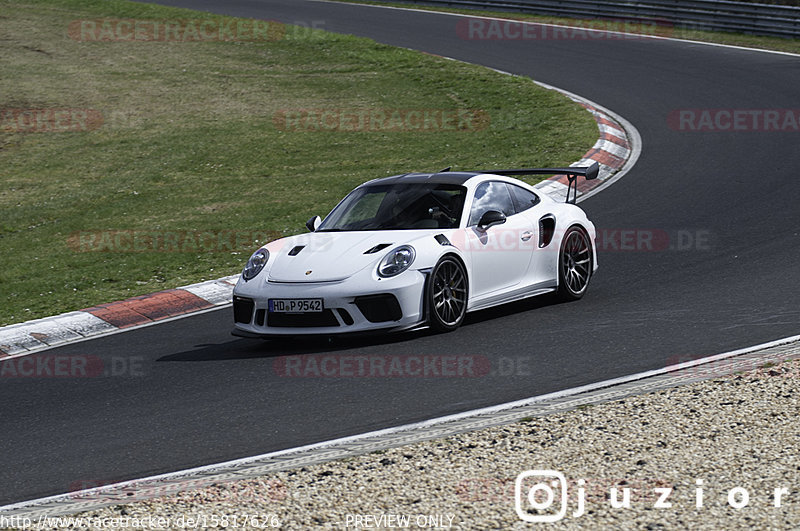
x=538, y=489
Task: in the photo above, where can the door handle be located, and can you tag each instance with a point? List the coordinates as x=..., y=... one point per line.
x=526, y=235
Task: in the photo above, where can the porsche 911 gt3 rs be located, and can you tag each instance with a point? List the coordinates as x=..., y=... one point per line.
x=419, y=249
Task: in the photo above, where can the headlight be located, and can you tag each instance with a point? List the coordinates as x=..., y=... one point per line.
x=397, y=261
x=255, y=264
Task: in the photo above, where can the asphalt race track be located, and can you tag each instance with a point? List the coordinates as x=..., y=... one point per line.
x=192, y=394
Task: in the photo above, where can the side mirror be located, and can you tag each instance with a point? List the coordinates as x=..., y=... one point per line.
x=490, y=218
x=313, y=223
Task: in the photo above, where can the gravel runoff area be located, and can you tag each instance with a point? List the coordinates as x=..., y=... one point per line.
x=720, y=449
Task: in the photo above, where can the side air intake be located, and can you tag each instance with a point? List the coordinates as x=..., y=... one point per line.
x=442, y=239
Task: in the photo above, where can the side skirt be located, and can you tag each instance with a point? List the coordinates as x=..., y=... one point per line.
x=509, y=296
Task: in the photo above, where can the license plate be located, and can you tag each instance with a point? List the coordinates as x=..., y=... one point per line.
x=295, y=305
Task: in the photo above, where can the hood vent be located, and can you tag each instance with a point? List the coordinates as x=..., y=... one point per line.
x=296, y=250
x=377, y=248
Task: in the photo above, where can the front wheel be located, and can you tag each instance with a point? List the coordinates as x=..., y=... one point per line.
x=447, y=295
x=574, y=264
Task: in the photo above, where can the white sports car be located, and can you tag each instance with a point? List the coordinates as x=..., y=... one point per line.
x=420, y=249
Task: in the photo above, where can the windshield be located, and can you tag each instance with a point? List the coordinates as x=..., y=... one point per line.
x=398, y=207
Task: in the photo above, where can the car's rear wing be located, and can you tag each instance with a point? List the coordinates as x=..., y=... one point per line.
x=572, y=173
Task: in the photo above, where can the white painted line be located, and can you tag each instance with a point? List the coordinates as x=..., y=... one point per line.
x=532, y=23
x=406, y=427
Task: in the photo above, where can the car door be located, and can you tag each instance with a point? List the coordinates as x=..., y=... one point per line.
x=500, y=254
x=544, y=254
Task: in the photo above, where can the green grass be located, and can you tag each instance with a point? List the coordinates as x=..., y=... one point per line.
x=188, y=143
x=729, y=38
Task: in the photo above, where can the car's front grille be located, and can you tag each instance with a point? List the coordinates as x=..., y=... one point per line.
x=379, y=308
x=302, y=320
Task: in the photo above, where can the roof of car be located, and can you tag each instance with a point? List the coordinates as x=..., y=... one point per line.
x=447, y=177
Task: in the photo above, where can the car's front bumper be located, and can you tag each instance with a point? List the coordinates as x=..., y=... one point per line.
x=361, y=303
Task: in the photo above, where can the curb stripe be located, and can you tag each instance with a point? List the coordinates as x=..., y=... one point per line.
x=41, y=334
x=613, y=131
x=616, y=140
x=604, y=157
x=612, y=151
x=146, y=308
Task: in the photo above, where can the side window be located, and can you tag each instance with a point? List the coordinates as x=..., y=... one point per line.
x=491, y=195
x=523, y=199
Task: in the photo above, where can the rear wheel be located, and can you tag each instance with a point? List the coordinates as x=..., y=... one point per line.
x=447, y=295
x=574, y=264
